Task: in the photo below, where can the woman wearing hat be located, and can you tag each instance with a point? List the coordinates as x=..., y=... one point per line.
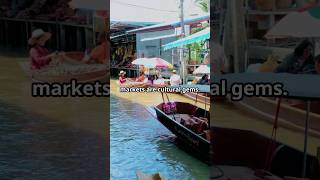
x=122, y=78
x=40, y=56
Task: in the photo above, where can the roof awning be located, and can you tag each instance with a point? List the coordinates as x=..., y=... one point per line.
x=172, y=24
x=159, y=37
x=199, y=36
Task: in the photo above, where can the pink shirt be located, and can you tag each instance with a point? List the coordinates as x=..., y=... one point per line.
x=38, y=57
x=122, y=80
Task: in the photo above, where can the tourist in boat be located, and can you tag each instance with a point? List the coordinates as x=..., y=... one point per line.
x=122, y=78
x=99, y=54
x=39, y=54
x=299, y=61
x=141, y=78
x=175, y=79
x=204, y=80
x=159, y=81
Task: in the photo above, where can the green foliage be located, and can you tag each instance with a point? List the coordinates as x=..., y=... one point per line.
x=203, y=4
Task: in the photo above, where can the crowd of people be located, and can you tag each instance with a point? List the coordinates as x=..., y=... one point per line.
x=301, y=61
x=153, y=77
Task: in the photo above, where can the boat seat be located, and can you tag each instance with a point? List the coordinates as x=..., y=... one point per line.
x=178, y=117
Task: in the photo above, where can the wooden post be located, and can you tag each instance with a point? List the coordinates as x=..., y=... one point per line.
x=6, y=30
x=79, y=39
x=89, y=38
x=62, y=37
x=238, y=35
x=27, y=33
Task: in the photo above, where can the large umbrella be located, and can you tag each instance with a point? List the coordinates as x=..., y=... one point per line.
x=304, y=24
x=202, y=69
x=152, y=63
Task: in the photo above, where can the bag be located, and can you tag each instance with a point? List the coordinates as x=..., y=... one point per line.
x=169, y=107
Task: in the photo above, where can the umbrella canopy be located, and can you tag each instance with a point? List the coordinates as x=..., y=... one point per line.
x=304, y=24
x=196, y=37
x=203, y=69
x=152, y=63
x=90, y=4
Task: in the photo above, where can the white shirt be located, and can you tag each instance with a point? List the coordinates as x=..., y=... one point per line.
x=159, y=81
x=175, y=80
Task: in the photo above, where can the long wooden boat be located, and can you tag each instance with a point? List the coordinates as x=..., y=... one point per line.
x=91, y=76
x=198, y=141
x=243, y=148
x=99, y=73
x=290, y=116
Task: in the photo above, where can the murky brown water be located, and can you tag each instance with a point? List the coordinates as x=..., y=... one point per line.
x=49, y=138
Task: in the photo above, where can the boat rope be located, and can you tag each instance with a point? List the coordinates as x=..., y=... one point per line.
x=196, y=101
x=173, y=113
x=272, y=143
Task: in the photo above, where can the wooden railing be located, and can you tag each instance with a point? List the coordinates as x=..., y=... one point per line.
x=66, y=36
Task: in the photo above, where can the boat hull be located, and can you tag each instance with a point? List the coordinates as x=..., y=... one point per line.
x=99, y=75
x=197, y=143
x=235, y=147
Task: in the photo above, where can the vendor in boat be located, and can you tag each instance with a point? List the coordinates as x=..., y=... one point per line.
x=141, y=78
x=39, y=54
x=299, y=61
x=99, y=54
x=175, y=79
x=122, y=78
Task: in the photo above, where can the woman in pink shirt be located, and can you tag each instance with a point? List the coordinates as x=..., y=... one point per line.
x=40, y=56
x=122, y=78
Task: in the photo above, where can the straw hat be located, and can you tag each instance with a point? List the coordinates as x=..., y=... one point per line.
x=38, y=33
x=122, y=72
x=174, y=71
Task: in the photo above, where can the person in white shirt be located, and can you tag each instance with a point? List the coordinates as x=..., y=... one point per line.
x=159, y=81
x=175, y=79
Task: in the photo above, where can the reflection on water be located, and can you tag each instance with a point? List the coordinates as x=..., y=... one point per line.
x=140, y=142
x=35, y=147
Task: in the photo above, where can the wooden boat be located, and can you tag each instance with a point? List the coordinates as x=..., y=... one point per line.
x=92, y=76
x=99, y=73
x=198, y=142
x=290, y=116
x=243, y=148
x=142, y=176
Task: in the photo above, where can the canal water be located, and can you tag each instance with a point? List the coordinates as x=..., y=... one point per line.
x=49, y=138
x=139, y=142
